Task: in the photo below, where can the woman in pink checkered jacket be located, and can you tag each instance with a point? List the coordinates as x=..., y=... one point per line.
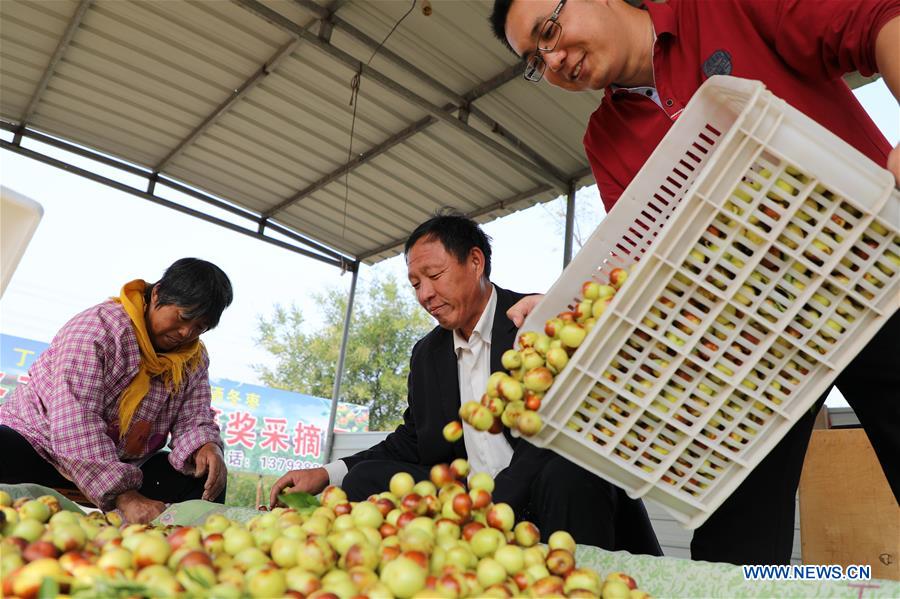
x=116, y=382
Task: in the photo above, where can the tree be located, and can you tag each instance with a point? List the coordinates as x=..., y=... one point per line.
x=589, y=212
x=385, y=324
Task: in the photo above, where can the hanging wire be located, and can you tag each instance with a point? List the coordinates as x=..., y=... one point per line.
x=354, y=102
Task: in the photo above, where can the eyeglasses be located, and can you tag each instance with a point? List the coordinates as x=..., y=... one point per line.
x=549, y=36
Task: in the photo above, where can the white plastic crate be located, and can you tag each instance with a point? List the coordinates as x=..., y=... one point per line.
x=764, y=255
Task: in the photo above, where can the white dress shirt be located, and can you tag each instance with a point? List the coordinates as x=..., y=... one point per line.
x=487, y=452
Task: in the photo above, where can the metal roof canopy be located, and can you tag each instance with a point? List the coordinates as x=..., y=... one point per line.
x=245, y=105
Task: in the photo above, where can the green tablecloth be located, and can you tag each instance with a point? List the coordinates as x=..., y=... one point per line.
x=660, y=576
x=31, y=490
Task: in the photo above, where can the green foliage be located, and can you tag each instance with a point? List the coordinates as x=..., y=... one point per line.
x=385, y=325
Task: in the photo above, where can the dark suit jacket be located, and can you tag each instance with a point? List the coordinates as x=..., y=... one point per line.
x=433, y=395
x=533, y=474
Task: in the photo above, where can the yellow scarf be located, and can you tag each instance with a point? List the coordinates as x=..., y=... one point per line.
x=170, y=365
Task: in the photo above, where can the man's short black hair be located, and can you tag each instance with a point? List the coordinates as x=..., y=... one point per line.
x=498, y=21
x=458, y=234
x=501, y=12
x=197, y=285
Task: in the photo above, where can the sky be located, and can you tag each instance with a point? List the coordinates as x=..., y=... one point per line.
x=92, y=239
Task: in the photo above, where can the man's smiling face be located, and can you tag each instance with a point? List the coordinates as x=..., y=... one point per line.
x=590, y=52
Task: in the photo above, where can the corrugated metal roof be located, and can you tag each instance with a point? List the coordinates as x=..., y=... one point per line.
x=250, y=101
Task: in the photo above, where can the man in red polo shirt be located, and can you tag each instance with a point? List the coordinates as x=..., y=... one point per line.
x=649, y=60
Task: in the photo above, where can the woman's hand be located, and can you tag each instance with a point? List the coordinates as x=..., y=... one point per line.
x=522, y=308
x=208, y=460
x=311, y=481
x=137, y=509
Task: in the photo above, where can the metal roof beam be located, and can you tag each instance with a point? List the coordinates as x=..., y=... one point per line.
x=317, y=9
x=543, y=187
x=337, y=5
x=512, y=72
x=124, y=167
x=574, y=178
x=61, y=48
x=502, y=78
x=512, y=158
x=344, y=263
x=512, y=200
x=384, y=146
x=266, y=69
x=461, y=101
x=323, y=251
x=346, y=27
x=579, y=175
x=353, y=164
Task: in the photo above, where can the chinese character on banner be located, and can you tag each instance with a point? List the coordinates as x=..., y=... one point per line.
x=217, y=414
x=24, y=354
x=234, y=396
x=217, y=393
x=253, y=400
x=23, y=379
x=275, y=438
x=234, y=457
x=240, y=429
x=307, y=440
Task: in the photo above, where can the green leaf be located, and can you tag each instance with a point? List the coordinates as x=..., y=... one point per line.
x=49, y=589
x=116, y=589
x=198, y=578
x=302, y=502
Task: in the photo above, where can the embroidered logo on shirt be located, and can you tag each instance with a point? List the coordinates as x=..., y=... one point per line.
x=718, y=63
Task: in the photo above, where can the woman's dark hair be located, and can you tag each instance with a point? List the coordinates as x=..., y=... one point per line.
x=201, y=287
x=458, y=234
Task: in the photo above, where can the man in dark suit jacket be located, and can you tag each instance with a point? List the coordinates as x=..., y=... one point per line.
x=448, y=259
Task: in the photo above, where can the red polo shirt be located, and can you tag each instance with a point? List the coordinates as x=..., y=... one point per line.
x=798, y=48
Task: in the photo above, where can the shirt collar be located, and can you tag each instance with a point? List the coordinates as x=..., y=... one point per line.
x=663, y=18
x=482, y=328
x=664, y=24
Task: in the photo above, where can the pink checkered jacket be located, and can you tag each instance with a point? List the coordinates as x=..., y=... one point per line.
x=69, y=410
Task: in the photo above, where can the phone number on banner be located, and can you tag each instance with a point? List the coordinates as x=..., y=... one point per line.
x=282, y=464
